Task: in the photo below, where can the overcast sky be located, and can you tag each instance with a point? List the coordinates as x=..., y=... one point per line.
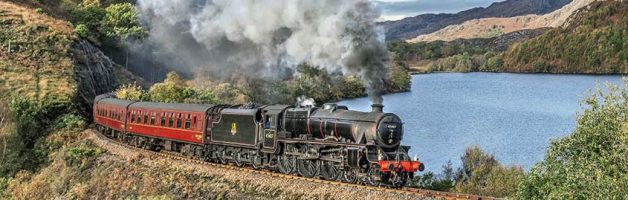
x=398, y=9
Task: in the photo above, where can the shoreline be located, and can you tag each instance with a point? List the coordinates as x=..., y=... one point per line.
x=529, y=73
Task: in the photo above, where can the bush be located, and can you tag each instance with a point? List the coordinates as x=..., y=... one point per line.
x=442, y=182
x=591, y=163
x=29, y=122
x=131, y=92
x=81, y=155
x=4, y=183
x=482, y=174
x=70, y=121
x=81, y=30
x=39, y=10
x=172, y=90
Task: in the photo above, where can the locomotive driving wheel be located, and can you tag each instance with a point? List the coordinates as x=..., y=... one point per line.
x=221, y=158
x=373, y=176
x=256, y=162
x=308, y=167
x=350, y=176
x=286, y=164
x=329, y=171
x=238, y=160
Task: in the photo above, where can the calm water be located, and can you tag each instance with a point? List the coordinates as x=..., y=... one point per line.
x=513, y=116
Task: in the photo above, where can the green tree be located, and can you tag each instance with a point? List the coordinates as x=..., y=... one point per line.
x=172, y=90
x=131, y=92
x=482, y=174
x=81, y=30
x=121, y=21
x=592, y=162
x=399, y=79
x=88, y=15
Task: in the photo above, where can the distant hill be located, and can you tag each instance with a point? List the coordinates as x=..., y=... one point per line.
x=494, y=26
x=461, y=55
x=412, y=27
x=595, y=41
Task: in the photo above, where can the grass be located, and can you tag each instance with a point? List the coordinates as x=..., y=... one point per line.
x=35, y=60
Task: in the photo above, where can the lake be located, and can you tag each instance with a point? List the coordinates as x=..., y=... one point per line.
x=512, y=116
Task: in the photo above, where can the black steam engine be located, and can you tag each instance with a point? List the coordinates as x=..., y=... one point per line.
x=329, y=142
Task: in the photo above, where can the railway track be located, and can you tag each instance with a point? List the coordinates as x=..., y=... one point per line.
x=404, y=191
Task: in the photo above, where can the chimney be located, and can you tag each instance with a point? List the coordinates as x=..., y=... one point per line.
x=377, y=108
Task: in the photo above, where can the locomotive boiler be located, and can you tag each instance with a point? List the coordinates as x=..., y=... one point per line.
x=329, y=142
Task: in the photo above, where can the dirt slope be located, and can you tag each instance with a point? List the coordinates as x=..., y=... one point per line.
x=491, y=27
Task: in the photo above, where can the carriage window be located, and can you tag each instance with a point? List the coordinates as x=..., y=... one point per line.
x=171, y=120
x=152, y=118
x=163, y=119
x=132, y=116
x=138, y=114
x=145, y=118
x=194, y=123
x=187, y=122
x=179, y=121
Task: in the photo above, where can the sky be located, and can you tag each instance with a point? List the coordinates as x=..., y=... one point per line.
x=399, y=9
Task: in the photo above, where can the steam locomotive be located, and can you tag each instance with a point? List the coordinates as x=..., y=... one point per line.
x=329, y=142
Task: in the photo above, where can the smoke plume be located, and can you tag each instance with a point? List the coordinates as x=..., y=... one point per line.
x=268, y=38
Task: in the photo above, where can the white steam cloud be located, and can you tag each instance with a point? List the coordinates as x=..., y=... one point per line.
x=269, y=38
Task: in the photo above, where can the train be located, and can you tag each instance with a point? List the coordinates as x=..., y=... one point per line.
x=329, y=142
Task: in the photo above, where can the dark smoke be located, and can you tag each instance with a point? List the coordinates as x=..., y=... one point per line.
x=268, y=38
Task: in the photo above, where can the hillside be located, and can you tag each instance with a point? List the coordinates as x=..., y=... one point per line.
x=35, y=55
x=461, y=55
x=412, y=27
x=491, y=27
x=595, y=42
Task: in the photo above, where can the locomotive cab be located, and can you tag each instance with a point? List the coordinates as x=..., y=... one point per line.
x=271, y=126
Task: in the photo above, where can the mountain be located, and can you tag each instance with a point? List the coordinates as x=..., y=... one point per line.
x=595, y=41
x=461, y=55
x=493, y=26
x=412, y=27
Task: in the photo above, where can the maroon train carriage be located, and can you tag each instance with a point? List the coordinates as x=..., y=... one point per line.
x=330, y=142
x=111, y=113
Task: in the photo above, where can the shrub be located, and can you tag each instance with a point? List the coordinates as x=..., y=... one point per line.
x=70, y=121
x=39, y=10
x=591, y=163
x=131, y=92
x=81, y=30
x=28, y=127
x=172, y=90
x=482, y=174
x=442, y=182
x=81, y=155
x=353, y=87
x=4, y=183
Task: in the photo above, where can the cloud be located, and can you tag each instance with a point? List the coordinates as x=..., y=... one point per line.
x=398, y=9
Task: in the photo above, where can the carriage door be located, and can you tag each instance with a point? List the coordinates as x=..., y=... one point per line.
x=270, y=131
